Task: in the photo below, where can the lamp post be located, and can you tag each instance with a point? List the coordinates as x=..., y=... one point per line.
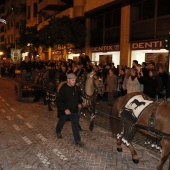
x=1, y=54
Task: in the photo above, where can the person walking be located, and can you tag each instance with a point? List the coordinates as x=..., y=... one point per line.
x=68, y=100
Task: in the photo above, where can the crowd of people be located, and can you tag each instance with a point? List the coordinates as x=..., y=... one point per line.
x=149, y=78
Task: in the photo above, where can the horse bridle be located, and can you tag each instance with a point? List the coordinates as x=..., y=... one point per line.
x=97, y=88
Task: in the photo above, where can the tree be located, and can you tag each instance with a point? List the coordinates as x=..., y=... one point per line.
x=62, y=31
x=29, y=39
x=28, y=35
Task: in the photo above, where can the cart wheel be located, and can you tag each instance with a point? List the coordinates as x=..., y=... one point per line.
x=18, y=92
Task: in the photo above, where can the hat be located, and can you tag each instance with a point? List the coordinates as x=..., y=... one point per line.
x=71, y=76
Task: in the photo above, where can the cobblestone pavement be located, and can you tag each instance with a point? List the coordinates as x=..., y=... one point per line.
x=28, y=141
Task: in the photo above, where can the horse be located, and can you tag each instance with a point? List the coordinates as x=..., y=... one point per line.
x=91, y=86
x=151, y=119
x=45, y=85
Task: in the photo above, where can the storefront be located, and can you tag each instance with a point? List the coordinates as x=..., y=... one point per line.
x=75, y=53
x=106, y=54
x=147, y=51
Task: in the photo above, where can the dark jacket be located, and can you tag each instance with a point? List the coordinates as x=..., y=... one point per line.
x=68, y=98
x=152, y=85
x=27, y=66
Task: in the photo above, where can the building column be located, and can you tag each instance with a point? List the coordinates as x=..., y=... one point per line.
x=87, y=44
x=49, y=53
x=125, y=36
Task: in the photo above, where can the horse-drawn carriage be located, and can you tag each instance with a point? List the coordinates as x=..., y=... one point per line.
x=24, y=85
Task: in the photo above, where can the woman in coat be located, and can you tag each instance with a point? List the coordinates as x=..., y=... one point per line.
x=133, y=84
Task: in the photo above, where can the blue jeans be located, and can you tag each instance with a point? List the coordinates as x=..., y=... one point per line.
x=74, y=123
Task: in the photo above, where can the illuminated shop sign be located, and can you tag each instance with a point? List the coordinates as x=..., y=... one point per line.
x=106, y=48
x=147, y=45
x=77, y=51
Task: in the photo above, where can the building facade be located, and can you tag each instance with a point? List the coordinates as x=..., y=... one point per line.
x=117, y=31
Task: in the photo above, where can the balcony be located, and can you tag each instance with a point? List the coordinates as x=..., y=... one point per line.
x=68, y=2
x=56, y=5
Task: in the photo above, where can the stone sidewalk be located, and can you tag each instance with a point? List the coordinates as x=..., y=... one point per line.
x=28, y=141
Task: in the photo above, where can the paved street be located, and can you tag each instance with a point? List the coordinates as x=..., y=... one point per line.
x=29, y=141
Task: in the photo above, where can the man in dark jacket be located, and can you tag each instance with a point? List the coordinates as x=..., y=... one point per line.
x=68, y=100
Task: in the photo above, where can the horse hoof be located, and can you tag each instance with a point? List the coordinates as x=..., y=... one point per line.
x=136, y=161
x=119, y=149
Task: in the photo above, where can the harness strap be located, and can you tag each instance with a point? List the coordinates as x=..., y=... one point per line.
x=151, y=121
x=154, y=131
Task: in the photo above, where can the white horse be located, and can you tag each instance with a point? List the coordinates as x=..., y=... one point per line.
x=91, y=85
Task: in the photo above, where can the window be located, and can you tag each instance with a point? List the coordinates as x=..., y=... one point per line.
x=97, y=22
x=39, y=18
x=28, y=12
x=163, y=7
x=9, y=39
x=148, y=10
x=109, y=20
x=143, y=10
x=35, y=9
x=2, y=38
x=2, y=29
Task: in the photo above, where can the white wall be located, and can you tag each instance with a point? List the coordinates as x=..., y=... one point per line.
x=139, y=55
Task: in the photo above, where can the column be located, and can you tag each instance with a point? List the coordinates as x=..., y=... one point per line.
x=125, y=36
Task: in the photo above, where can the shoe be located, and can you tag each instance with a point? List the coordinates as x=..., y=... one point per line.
x=80, y=144
x=59, y=135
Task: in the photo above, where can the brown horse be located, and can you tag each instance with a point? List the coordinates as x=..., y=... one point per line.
x=152, y=121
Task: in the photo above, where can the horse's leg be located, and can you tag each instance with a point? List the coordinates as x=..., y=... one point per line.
x=165, y=143
x=135, y=157
x=93, y=115
x=49, y=105
x=119, y=145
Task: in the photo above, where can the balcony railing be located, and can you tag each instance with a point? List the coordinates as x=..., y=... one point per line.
x=57, y=5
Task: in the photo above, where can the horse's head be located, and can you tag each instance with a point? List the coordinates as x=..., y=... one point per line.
x=98, y=84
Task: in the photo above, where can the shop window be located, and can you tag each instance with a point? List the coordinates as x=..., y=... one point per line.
x=163, y=7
